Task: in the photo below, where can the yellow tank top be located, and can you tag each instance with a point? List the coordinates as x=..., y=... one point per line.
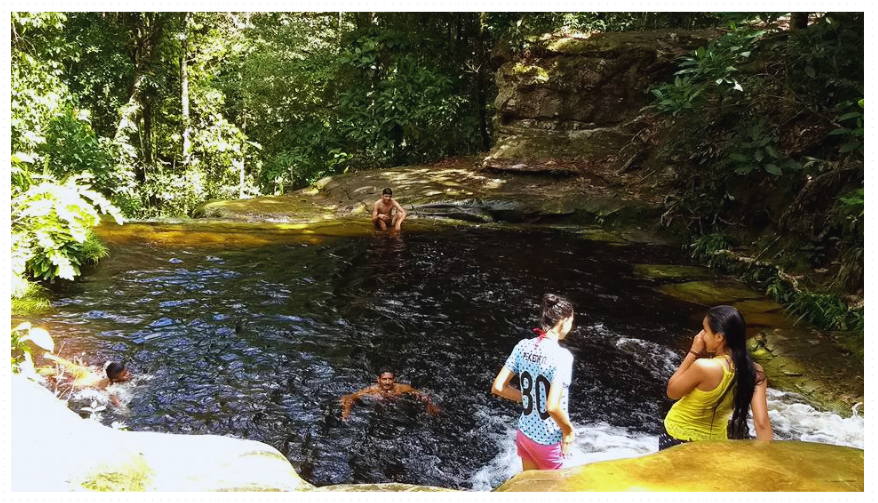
x=693, y=418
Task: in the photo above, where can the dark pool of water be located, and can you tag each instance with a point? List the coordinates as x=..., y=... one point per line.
x=260, y=343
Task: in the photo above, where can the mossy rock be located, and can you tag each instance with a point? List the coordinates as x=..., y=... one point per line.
x=602, y=236
x=731, y=466
x=757, y=306
x=124, y=477
x=223, y=233
x=773, y=320
x=660, y=271
x=711, y=293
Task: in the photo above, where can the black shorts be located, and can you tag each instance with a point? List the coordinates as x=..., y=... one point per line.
x=666, y=440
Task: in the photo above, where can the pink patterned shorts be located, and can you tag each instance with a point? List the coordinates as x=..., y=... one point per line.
x=546, y=457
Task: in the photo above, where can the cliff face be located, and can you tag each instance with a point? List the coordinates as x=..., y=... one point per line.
x=577, y=100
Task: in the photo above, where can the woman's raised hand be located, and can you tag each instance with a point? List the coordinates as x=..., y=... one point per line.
x=698, y=343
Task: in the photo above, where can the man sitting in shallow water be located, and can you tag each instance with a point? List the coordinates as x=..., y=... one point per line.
x=385, y=389
x=382, y=209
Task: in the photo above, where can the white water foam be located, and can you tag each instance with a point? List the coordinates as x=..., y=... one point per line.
x=594, y=442
x=661, y=361
x=793, y=419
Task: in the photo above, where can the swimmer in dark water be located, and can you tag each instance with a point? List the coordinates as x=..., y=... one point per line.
x=85, y=377
x=386, y=388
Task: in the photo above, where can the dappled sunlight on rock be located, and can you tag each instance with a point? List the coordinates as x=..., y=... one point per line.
x=733, y=466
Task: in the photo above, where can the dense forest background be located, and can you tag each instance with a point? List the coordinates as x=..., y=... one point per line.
x=140, y=115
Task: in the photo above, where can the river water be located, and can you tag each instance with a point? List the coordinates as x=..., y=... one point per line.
x=260, y=343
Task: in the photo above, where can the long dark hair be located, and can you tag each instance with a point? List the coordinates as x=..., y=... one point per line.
x=728, y=321
x=554, y=309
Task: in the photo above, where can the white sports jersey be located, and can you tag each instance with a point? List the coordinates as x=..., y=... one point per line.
x=539, y=363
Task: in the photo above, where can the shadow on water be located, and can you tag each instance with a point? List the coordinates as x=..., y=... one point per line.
x=260, y=343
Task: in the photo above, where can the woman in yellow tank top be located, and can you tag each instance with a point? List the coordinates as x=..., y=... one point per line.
x=715, y=394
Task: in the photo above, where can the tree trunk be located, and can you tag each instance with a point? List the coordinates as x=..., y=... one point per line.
x=482, y=60
x=184, y=87
x=148, y=157
x=799, y=20
x=242, y=177
x=145, y=32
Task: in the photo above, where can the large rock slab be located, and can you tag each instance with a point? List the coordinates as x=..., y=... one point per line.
x=712, y=466
x=574, y=99
x=711, y=293
x=456, y=190
x=53, y=449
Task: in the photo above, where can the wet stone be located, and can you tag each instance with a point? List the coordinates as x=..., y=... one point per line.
x=711, y=293
x=745, y=466
x=757, y=306
x=660, y=271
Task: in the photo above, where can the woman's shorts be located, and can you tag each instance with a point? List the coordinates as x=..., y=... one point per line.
x=666, y=440
x=546, y=457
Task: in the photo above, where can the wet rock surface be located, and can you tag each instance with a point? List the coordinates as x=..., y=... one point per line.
x=54, y=449
x=576, y=100
x=457, y=190
x=744, y=466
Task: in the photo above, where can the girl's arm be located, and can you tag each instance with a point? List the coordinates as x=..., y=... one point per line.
x=759, y=406
x=501, y=386
x=688, y=374
x=559, y=415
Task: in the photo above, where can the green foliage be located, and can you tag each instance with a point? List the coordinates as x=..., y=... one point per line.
x=855, y=133
x=824, y=310
x=756, y=148
x=678, y=96
x=707, y=71
x=704, y=247
x=51, y=225
x=28, y=297
x=826, y=64
x=71, y=147
x=37, y=88
x=174, y=193
x=521, y=29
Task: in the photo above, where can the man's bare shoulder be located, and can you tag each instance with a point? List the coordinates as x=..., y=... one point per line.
x=405, y=388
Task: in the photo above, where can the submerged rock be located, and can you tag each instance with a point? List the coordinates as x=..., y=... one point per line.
x=712, y=466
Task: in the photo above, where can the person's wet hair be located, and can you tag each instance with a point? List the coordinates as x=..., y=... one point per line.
x=728, y=321
x=555, y=308
x=387, y=191
x=386, y=370
x=114, y=369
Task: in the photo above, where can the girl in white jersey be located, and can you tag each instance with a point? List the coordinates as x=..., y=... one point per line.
x=545, y=369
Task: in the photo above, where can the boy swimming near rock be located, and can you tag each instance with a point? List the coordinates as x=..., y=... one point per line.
x=85, y=377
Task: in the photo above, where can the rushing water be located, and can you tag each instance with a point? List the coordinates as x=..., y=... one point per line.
x=260, y=343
